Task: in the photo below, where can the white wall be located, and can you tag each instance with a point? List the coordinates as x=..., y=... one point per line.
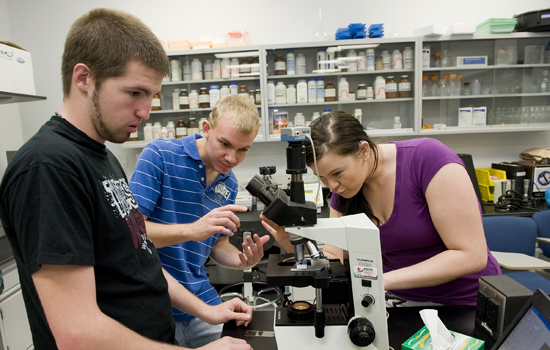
x=11, y=135
x=41, y=26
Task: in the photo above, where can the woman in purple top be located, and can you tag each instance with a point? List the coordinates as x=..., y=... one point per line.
x=419, y=195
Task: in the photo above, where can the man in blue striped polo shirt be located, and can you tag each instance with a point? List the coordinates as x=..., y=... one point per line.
x=186, y=190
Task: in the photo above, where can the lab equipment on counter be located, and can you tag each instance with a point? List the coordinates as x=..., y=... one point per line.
x=360, y=319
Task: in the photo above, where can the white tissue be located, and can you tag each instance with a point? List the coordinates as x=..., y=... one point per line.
x=442, y=339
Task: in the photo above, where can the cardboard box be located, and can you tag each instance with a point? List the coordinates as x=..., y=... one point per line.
x=422, y=340
x=479, y=116
x=16, y=70
x=465, y=116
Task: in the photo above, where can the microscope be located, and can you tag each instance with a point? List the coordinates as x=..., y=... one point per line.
x=360, y=321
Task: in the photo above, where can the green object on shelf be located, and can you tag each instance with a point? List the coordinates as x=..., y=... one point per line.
x=497, y=25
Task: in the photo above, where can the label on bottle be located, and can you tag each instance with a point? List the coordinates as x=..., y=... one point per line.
x=183, y=100
x=330, y=93
x=408, y=59
x=391, y=87
x=425, y=58
x=361, y=94
x=280, y=66
x=381, y=92
x=405, y=86
x=181, y=132
x=155, y=102
x=205, y=98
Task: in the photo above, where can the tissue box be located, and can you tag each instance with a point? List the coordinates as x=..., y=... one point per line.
x=422, y=340
x=16, y=71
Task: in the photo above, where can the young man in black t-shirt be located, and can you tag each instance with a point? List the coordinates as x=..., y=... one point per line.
x=90, y=276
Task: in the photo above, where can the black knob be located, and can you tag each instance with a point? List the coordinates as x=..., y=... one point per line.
x=367, y=300
x=361, y=331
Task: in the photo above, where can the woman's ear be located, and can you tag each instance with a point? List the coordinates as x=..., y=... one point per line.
x=364, y=149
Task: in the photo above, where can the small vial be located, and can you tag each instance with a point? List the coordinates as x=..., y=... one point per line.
x=397, y=122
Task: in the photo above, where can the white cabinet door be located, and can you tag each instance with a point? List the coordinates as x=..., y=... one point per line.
x=16, y=333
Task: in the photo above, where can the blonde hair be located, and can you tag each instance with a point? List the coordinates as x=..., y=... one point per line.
x=241, y=109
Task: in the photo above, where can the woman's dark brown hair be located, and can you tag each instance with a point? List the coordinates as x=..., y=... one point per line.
x=340, y=133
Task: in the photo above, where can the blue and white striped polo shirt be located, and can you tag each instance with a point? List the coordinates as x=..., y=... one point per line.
x=169, y=184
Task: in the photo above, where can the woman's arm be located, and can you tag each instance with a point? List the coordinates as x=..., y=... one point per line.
x=455, y=214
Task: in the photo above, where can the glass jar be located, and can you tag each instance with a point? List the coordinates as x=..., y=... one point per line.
x=155, y=103
x=204, y=98
x=391, y=87
x=184, y=99
x=330, y=92
x=243, y=91
x=181, y=129
x=361, y=92
x=192, y=126
x=280, y=65
x=244, y=66
x=404, y=87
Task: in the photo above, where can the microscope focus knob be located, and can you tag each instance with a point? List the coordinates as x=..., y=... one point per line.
x=361, y=331
x=367, y=300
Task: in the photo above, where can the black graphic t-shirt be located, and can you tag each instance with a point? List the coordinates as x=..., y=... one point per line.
x=64, y=200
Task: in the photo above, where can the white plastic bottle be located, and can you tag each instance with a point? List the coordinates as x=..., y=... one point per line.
x=170, y=130
x=386, y=60
x=163, y=133
x=331, y=59
x=208, y=74
x=233, y=88
x=370, y=93
x=176, y=68
x=343, y=90
x=370, y=59
x=156, y=130
x=380, y=88
x=408, y=58
x=426, y=56
x=226, y=72
x=321, y=56
x=214, y=95
x=315, y=116
x=362, y=61
x=176, y=99
x=352, y=62
x=311, y=90
x=196, y=69
x=358, y=114
x=216, y=69
x=186, y=71
x=300, y=64
x=193, y=100
x=299, y=120
x=476, y=88
x=270, y=93
x=290, y=63
x=280, y=93
x=290, y=94
x=224, y=91
x=301, y=91
x=396, y=60
x=148, y=132
x=397, y=122
x=320, y=90
x=234, y=68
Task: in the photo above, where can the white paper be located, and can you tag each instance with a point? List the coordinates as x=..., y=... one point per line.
x=442, y=339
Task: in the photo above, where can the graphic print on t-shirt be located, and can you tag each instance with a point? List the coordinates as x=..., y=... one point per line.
x=125, y=206
x=222, y=192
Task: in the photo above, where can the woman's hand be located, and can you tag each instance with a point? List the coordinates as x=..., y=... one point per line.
x=278, y=232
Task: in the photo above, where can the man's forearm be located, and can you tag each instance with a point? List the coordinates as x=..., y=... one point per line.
x=164, y=235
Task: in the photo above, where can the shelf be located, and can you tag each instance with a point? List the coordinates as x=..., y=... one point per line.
x=317, y=75
x=173, y=111
x=210, y=81
x=463, y=97
x=507, y=66
x=214, y=50
x=12, y=97
x=141, y=143
x=340, y=102
x=485, y=129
